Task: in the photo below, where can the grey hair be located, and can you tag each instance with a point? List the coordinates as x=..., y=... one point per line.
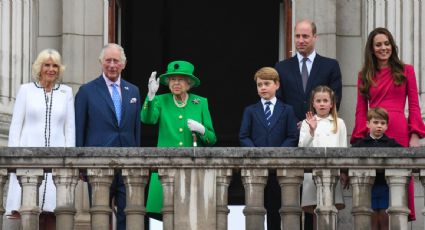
x=113, y=45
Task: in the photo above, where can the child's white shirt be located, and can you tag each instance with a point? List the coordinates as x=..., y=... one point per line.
x=323, y=135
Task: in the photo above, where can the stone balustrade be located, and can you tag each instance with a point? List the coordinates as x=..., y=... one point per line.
x=196, y=180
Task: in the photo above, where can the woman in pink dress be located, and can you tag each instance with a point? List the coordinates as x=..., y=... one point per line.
x=385, y=81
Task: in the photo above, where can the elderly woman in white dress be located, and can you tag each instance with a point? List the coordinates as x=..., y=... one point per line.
x=43, y=116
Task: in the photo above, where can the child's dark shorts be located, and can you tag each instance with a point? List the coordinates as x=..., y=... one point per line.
x=380, y=196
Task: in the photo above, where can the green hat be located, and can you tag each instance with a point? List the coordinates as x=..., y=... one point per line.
x=180, y=68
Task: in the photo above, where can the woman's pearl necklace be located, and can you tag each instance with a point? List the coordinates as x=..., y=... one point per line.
x=180, y=104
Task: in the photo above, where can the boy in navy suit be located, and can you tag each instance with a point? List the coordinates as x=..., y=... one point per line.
x=269, y=123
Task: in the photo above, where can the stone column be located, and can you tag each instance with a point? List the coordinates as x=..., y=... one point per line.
x=223, y=181
x=30, y=180
x=3, y=178
x=65, y=181
x=167, y=180
x=100, y=180
x=397, y=180
x=290, y=181
x=254, y=181
x=326, y=180
x=362, y=180
x=135, y=181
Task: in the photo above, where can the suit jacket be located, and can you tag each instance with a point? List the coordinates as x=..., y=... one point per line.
x=325, y=71
x=282, y=132
x=95, y=120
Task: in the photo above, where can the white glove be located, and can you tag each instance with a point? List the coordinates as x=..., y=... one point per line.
x=153, y=85
x=195, y=126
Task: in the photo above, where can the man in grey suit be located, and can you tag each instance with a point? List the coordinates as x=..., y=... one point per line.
x=107, y=114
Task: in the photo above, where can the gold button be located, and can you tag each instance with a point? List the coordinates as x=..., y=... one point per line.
x=181, y=129
x=180, y=117
x=181, y=143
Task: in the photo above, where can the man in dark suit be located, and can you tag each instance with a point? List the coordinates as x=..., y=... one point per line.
x=299, y=77
x=300, y=74
x=107, y=114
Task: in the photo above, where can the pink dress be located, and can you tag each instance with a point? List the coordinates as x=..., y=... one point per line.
x=387, y=95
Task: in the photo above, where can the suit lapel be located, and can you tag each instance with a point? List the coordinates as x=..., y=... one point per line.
x=296, y=72
x=278, y=108
x=313, y=73
x=259, y=114
x=103, y=91
x=125, y=97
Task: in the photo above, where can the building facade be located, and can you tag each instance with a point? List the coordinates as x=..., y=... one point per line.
x=78, y=29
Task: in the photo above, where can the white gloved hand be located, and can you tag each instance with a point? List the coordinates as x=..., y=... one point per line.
x=195, y=126
x=153, y=85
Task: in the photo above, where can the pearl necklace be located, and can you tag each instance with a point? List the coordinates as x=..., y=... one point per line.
x=180, y=104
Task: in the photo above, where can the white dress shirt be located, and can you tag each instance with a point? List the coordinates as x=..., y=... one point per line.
x=273, y=103
x=309, y=62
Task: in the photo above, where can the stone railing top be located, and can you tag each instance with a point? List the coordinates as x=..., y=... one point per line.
x=213, y=157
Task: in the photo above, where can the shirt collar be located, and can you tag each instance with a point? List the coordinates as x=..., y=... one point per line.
x=326, y=118
x=109, y=82
x=310, y=57
x=273, y=101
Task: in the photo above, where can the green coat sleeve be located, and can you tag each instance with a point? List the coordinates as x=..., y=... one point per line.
x=150, y=111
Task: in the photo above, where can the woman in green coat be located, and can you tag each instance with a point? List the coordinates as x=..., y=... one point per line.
x=184, y=118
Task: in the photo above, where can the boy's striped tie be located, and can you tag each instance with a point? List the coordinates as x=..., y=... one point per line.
x=268, y=112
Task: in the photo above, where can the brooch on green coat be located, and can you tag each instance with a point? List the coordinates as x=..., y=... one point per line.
x=195, y=101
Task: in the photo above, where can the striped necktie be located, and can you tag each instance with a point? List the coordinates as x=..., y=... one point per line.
x=116, y=98
x=268, y=112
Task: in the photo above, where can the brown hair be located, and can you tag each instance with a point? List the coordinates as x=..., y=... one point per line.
x=370, y=65
x=377, y=113
x=267, y=73
x=326, y=89
x=312, y=24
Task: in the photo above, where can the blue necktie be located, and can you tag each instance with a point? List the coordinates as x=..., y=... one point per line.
x=116, y=98
x=268, y=112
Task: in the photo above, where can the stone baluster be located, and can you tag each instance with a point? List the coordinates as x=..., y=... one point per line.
x=30, y=180
x=326, y=180
x=100, y=180
x=223, y=181
x=65, y=181
x=290, y=181
x=3, y=178
x=135, y=181
x=397, y=180
x=167, y=180
x=254, y=181
x=361, y=181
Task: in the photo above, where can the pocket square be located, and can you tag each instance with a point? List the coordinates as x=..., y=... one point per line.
x=133, y=100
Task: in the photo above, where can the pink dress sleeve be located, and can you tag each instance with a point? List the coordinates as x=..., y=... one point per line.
x=360, y=129
x=415, y=122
